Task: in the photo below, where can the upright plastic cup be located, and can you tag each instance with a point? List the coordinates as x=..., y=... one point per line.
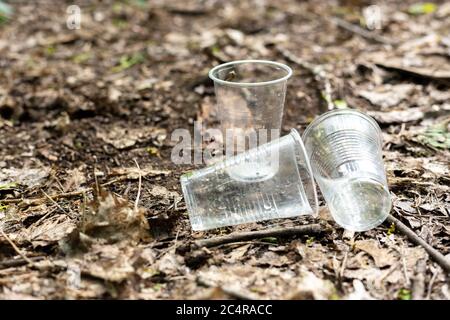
x=344, y=149
x=250, y=101
x=214, y=198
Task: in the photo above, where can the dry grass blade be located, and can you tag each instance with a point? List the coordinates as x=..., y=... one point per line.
x=19, y=252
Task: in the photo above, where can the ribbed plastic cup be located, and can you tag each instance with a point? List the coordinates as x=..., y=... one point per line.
x=344, y=149
x=214, y=198
x=250, y=101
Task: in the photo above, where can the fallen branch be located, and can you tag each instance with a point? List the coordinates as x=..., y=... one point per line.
x=436, y=255
x=244, y=236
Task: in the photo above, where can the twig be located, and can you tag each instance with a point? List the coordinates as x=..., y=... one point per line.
x=343, y=265
x=242, y=243
x=136, y=204
x=430, y=285
x=436, y=255
x=418, y=281
x=401, y=252
x=244, y=236
x=16, y=248
x=18, y=262
x=360, y=31
x=40, y=200
x=54, y=202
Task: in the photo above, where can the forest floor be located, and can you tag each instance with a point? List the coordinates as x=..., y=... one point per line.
x=82, y=108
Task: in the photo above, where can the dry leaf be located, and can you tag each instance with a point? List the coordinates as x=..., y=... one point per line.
x=109, y=262
x=122, y=138
x=359, y=293
x=75, y=178
x=388, y=95
x=29, y=177
x=50, y=230
x=312, y=287
x=382, y=257
x=113, y=219
x=397, y=116
x=133, y=172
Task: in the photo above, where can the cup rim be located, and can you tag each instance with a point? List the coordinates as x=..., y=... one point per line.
x=254, y=84
x=296, y=135
x=335, y=112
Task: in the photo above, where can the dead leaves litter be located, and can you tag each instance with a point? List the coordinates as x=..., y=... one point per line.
x=388, y=95
x=382, y=257
x=110, y=219
x=123, y=138
x=29, y=177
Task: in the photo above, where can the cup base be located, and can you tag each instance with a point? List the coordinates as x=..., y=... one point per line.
x=252, y=172
x=359, y=204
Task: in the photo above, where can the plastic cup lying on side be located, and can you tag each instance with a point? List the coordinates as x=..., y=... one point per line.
x=344, y=149
x=250, y=101
x=214, y=198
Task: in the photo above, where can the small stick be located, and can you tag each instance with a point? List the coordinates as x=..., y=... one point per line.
x=18, y=262
x=244, y=236
x=418, y=281
x=430, y=285
x=136, y=204
x=343, y=265
x=16, y=248
x=54, y=197
x=53, y=201
x=360, y=31
x=436, y=255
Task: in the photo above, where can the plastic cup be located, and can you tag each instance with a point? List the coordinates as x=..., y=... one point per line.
x=250, y=101
x=344, y=149
x=215, y=198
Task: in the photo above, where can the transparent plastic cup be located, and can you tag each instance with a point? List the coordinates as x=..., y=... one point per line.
x=214, y=198
x=250, y=101
x=344, y=149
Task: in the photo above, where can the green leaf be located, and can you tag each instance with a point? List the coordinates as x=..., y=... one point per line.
x=404, y=294
x=126, y=62
x=215, y=49
x=422, y=8
x=3, y=207
x=270, y=240
x=8, y=186
x=391, y=229
x=82, y=57
x=141, y=3
x=340, y=104
x=153, y=151
x=310, y=240
x=188, y=174
x=437, y=136
x=5, y=12
x=50, y=50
